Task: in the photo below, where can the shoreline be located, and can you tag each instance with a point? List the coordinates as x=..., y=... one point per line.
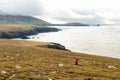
x=23, y=34
x=99, y=41
x=54, y=45
x=58, y=46
x=37, y=29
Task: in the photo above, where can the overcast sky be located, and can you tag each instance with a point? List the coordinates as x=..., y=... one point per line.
x=60, y=11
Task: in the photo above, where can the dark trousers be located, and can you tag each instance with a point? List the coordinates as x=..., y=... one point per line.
x=76, y=62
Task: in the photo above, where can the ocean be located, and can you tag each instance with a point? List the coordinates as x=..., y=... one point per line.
x=96, y=40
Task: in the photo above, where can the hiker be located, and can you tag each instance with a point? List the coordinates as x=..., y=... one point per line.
x=76, y=60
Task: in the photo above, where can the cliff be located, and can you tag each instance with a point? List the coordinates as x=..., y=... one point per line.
x=22, y=31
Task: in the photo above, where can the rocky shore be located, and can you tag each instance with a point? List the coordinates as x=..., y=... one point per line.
x=57, y=46
x=24, y=34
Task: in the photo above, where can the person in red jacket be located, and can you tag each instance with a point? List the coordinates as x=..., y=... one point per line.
x=76, y=60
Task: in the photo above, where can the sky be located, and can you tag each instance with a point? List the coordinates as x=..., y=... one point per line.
x=65, y=11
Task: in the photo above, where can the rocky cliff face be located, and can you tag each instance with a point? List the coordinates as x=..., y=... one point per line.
x=24, y=34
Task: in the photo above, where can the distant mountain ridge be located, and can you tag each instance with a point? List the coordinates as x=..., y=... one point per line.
x=76, y=24
x=70, y=24
x=18, y=19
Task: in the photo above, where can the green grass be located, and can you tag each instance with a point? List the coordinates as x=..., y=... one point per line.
x=41, y=63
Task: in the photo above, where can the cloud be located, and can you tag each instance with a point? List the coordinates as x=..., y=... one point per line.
x=80, y=16
x=21, y=7
x=83, y=11
x=87, y=16
x=94, y=20
x=116, y=21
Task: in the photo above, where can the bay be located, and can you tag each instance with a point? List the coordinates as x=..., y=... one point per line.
x=102, y=40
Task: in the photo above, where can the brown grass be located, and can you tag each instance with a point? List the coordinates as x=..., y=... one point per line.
x=40, y=63
x=14, y=27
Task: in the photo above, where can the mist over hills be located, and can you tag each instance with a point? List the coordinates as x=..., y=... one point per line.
x=19, y=19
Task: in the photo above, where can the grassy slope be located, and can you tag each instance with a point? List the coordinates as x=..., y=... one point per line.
x=22, y=30
x=18, y=19
x=15, y=27
x=40, y=63
x=13, y=30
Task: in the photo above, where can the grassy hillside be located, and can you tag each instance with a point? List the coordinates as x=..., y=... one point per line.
x=15, y=27
x=17, y=19
x=22, y=30
x=23, y=60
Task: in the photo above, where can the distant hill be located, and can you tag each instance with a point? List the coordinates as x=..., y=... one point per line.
x=76, y=24
x=18, y=19
x=70, y=24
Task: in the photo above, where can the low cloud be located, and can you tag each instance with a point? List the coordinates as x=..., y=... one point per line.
x=55, y=12
x=21, y=7
x=87, y=16
x=116, y=20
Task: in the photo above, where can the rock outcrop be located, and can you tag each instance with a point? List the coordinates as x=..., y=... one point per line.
x=57, y=46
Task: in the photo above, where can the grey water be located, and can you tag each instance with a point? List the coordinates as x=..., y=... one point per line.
x=103, y=40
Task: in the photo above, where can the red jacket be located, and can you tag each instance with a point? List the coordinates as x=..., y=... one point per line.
x=76, y=59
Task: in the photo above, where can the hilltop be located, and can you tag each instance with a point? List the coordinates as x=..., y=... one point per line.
x=29, y=60
x=19, y=19
x=76, y=24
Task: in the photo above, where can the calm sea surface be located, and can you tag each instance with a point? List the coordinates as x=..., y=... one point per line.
x=103, y=40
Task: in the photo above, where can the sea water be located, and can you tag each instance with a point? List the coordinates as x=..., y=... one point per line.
x=97, y=40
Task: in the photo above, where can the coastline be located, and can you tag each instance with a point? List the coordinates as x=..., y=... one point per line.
x=34, y=60
x=102, y=41
x=24, y=33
